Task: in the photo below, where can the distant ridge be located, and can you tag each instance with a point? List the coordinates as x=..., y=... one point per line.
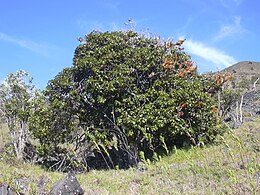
x=244, y=75
x=245, y=80
x=244, y=68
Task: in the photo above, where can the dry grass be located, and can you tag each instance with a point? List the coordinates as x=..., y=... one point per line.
x=230, y=167
x=4, y=137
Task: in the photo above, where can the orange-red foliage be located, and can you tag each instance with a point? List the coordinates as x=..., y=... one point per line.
x=221, y=78
x=214, y=109
x=180, y=42
x=178, y=64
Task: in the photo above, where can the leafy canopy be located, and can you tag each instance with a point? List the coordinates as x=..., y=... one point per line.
x=125, y=94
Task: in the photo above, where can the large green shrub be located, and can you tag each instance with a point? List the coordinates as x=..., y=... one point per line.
x=125, y=94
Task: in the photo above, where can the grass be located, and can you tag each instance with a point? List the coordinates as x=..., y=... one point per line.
x=4, y=138
x=230, y=167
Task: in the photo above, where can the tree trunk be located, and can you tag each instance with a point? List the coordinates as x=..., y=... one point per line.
x=18, y=135
x=219, y=104
x=240, y=109
x=254, y=86
x=237, y=117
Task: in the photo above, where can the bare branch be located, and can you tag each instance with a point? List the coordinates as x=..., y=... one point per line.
x=254, y=85
x=240, y=108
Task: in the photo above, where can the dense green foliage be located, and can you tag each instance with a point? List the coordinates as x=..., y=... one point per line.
x=126, y=95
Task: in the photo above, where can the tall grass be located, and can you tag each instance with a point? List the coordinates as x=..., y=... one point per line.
x=4, y=136
x=229, y=167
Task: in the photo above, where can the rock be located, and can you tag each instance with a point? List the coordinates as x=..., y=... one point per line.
x=67, y=186
x=6, y=190
x=41, y=183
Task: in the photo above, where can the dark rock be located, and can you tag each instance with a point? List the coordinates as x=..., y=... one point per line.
x=67, y=186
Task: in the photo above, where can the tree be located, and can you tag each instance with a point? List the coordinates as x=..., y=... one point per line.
x=16, y=95
x=125, y=94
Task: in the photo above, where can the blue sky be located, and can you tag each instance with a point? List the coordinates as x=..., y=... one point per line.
x=41, y=36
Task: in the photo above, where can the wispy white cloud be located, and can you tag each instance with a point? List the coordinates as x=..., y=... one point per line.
x=33, y=46
x=40, y=48
x=210, y=54
x=233, y=30
x=230, y=3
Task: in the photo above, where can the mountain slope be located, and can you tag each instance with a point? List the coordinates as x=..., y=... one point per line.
x=244, y=75
x=244, y=68
x=246, y=81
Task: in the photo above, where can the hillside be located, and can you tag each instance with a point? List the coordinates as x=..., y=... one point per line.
x=245, y=81
x=244, y=74
x=244, y=68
